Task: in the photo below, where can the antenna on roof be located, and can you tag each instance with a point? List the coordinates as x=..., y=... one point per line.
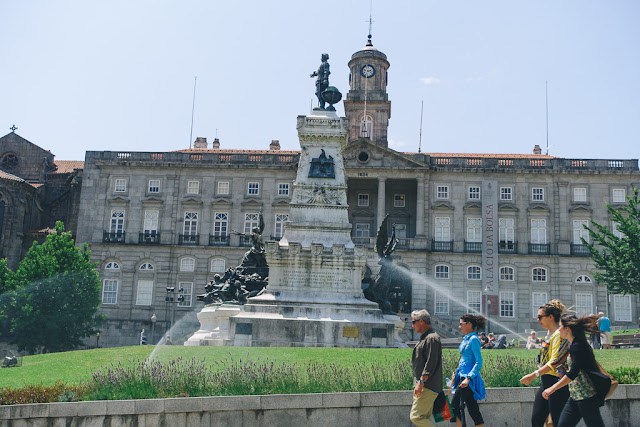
x=370, y=23
x=546, y=101
x=421, y=114
x=193, y=107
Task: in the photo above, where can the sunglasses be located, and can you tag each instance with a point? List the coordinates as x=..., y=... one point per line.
x=413, y=322
x=462, y=323
x=544, y=315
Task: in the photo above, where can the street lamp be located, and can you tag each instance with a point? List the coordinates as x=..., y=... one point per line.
x=97, y=339
x=154, y=319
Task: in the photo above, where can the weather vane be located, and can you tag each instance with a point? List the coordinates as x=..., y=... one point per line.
x=13, y=128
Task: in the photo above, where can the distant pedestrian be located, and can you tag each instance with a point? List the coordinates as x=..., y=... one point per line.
x=554, y=352
x=426, y=361
x=605, y=331
x=583, y=403
x=468, y=385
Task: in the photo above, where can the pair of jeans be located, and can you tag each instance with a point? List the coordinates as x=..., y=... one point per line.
x=464, y=397
x=574, y=410
x=543, y=407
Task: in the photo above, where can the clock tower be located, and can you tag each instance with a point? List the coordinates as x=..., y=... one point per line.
x=367, y=104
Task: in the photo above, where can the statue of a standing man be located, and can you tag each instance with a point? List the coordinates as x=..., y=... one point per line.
x=322, y=82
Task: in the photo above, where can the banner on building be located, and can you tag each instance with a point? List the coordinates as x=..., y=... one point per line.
x=490, y=237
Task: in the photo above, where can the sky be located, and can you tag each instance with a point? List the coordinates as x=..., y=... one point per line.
x=116, y=75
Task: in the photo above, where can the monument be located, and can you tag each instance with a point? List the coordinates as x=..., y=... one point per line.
x=314, y=296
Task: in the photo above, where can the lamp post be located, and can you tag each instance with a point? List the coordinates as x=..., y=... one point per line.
x=154, y=319
x=97, y=339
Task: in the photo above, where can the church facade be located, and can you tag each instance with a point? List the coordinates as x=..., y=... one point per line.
x=162, y=224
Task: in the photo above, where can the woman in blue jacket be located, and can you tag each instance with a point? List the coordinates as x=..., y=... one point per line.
x=467, y=382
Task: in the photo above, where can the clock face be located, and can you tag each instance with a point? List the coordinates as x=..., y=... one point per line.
x=367, y=71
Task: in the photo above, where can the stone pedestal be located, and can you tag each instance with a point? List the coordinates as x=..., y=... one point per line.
x=214, y=325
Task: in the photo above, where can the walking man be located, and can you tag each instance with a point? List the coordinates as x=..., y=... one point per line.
x=605, y=331
x=427, y=369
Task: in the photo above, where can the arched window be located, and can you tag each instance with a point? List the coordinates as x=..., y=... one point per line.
x=146, y=266
x=539, y=274
x=474, y=272
x=507, y=273
x=9, y=162
x=187, y=264
x=218, y=265
x=366, y=127
x=442, y=271
x=112, y=266
x=583, y=279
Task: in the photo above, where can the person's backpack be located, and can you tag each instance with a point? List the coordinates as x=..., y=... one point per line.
x=500, y=343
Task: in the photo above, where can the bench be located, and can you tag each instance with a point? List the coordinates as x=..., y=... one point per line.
x=626, y=341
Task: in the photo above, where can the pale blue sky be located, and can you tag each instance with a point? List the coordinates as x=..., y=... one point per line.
x=118, y=75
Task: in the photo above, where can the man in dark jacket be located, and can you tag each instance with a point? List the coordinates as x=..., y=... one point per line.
x=427, y=369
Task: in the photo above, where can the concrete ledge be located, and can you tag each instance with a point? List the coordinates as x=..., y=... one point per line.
x=503, y=406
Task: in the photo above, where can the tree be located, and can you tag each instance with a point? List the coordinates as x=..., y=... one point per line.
x=56, y=296
x=618, y=258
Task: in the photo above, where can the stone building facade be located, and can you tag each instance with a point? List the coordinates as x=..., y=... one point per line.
x=35, y=191
x=173, y=220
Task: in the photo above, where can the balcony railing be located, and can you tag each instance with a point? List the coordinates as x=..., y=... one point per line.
x=275, y=238
x=475, y=247
x=362, y=241
x=218, y=240
x=441, y=246
x=508, y=247
x=189, y=239
x=579, y=250
x=246, y=241
x=539, y=248
x=403, y=243
x=117, y=237
x=146, y=238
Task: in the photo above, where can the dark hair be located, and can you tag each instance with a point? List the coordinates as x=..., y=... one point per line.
x=477, y=321
x=580, y=325
x=553, y=308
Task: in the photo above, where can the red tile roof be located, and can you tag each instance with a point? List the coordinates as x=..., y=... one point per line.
x=10, y=177
x=67, y=166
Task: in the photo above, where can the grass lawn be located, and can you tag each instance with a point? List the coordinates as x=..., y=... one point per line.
x=76, y=366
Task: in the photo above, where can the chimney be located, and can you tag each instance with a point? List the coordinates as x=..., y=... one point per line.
x=216, y=144
x=537, y=150
x=275, y=145
x=200, y=144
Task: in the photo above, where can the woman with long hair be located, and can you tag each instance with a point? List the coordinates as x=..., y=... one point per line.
x=583, y=402
x=554, y=352
x=467, y=382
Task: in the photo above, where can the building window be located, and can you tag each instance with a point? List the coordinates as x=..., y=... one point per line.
x=193, y=187
x=398, y=201
x=187, y=292
x=584, y=304
x=537, y=194
x=579, y=194
x=362, y=230
x=154, y=186
x=474, y=301
x=622, y=308
x=506, y=232
x=253, y=188
x=112, y=266
x=507, y=273
x=619, y=195
x=442, y=192
x=614, y=229
x=146, y=266
x=187, y=264
x=507, y=304
x=443, y=229
x=151, y=222
x=474, y=272
x=121, y=185
x=145, y=292
x=442, y=302
x=442, y=271
x=218, y=265
x=538, y=299
x=506, y=193
x=283, y=189
x=583, y=279
x=250, y=222
x=539, y=274
x=279, y=225
x=190, y=223
x=474, y=193
x=117, y=221
x=366, y=126
x=579, y=231
x=220, y=223
x=474, y=230
x=363, y=199
x=223, y=187
x=539, y=231
x=110, y=291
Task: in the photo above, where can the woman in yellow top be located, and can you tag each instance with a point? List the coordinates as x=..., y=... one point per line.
x=553, y=356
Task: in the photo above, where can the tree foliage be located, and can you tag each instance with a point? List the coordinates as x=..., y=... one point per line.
x=55, y=296
x=618, y=258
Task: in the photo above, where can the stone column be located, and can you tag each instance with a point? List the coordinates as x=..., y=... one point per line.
x=420, y=207
x=381, y=201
